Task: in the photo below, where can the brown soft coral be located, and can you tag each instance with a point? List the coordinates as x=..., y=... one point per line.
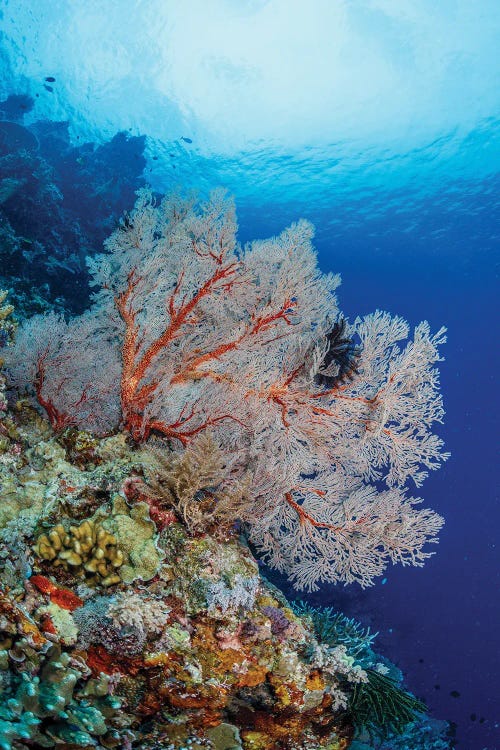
x=198, y=485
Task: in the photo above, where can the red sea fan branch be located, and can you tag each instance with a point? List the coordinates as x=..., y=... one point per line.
x=137, y=366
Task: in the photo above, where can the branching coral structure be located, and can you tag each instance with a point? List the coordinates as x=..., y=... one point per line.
x=324, y=420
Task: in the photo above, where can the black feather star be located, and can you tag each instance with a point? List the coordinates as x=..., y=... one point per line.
x=340, y=361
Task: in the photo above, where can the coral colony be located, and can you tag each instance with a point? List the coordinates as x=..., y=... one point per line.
x=211, y=395
x=58, y=201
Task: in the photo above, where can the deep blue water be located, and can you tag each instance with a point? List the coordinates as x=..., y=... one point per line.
x=440, y=623
x=406, y=210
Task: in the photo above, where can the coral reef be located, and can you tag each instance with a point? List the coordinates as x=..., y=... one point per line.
x=204, y=645
x=325, y=422
x=8, y=325
x=58, y=201
x=43, y=701
x=192, y=648
x=227, y=402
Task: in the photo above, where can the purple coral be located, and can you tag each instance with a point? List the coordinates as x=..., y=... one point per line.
x=279, y=622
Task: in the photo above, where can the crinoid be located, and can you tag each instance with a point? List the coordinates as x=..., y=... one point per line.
x=341, y=358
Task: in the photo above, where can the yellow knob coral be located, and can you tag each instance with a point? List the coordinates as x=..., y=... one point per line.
x=87, y=550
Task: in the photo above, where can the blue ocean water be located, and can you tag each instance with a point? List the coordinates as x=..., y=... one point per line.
x=378, y=121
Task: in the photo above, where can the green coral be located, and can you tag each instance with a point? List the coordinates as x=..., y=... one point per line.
x=135, y=533
x=380, y=707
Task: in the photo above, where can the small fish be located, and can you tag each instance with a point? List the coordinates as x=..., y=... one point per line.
x=155, y=158
x=454, y=694
x=47, y=88
x=186, y=140
x=50, y=79
x=437, y=687
x=473, y=717
x=420, y=661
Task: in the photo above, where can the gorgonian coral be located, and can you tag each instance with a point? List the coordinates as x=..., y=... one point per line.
x=189, y=332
